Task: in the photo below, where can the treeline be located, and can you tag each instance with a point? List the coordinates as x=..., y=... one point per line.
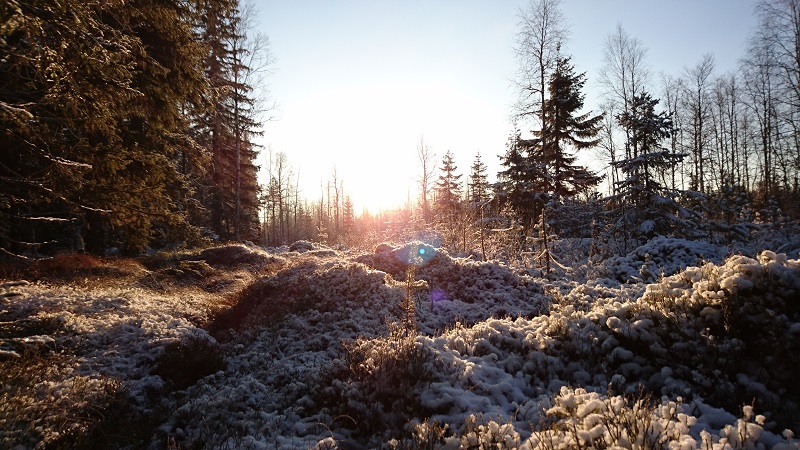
x=697, y=154
x=127, y=124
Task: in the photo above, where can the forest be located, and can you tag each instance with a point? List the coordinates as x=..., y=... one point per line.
x=164, y=283
x=130, y=126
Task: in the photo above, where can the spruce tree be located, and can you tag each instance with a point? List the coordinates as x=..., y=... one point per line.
x=227, y=123
x=154, y=130
x=479, y=195
x=479, y=188
x=543, y=169
x=54, y=116
x=520, y=185
x=447, y=204
x=654, y=209
x=90, y=104
x=565, y=131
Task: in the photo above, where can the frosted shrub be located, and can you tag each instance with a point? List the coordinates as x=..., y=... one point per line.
x=44, y=403
x=187, y=360
x=423, y=436
x=385, y=374
x=582, y=420
x=491, y=435
x=738, y=319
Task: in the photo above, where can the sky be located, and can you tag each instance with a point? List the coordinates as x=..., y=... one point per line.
x=359, y=84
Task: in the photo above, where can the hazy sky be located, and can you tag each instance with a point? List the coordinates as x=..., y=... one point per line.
x=358, y=83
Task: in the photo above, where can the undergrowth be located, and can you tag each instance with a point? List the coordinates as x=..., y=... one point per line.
x=45, y=404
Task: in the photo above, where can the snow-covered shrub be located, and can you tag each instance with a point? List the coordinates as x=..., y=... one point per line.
x=489, y=435
x=301, y=247
x=737, y=327
x=458, y=279
x=386, y=373
x=428, y=435
x=396, y=260
x=308, y=284
x=660, y=256
x=64, y=267
x=233, y=255
x=582, y=419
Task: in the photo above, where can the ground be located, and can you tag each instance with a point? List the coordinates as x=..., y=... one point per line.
x=678, y=344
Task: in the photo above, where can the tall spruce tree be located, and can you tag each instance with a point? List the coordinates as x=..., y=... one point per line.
x=565, y=131
x=227, y=123
x=519, y=184
x=90, y=95
x=53, y=116
x=544, y=169
x=155, y=131
x=447, y=204
x=479, y=196
x=479, y=188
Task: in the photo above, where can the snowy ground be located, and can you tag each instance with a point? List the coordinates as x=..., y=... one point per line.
x=671, y=346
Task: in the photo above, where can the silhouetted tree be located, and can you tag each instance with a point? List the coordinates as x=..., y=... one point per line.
x=653, y=210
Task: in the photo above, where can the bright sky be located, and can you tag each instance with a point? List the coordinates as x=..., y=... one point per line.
x=359, y=82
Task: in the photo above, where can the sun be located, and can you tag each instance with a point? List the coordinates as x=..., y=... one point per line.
x=374, y=190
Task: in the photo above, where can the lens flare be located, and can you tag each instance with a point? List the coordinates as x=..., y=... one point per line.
x=437, y=295
x=415, y=253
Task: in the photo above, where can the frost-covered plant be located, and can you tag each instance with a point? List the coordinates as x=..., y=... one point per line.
x=428, y=435
x=582, y=420
x=386, y=372
x=45, y=403
x=737, y=320
x=489, y=435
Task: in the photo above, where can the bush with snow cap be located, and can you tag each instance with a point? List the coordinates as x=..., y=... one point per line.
x=301, y=247
x=236, y=255
x=733, y=326
x=660, y=255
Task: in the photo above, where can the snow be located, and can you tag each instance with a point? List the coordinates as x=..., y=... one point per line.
x=319, y=353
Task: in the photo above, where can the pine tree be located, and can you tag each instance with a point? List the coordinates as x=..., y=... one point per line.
x=479, y=188
x=154, y=130
x=53, y=116
x=565, y=130
x=521, y=185
x=479, y=194
x=348, y=217
x=90, y=101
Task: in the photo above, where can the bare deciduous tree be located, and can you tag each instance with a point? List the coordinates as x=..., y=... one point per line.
x=427, y=160
x=696, y=96
x=542, y=32
x=623, y=75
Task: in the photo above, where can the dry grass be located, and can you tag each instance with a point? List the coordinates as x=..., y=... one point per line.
x=43, y=402
x=74, y=267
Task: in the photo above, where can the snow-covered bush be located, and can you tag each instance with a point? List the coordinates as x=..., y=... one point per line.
x=237, y=255
x=660, y=256
x=336, y=284
x=46, y=403
x=184, y=361
x=301, y=247
x=460, y=279
x=737, y=327
x=575, y=418
x=382, y=390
